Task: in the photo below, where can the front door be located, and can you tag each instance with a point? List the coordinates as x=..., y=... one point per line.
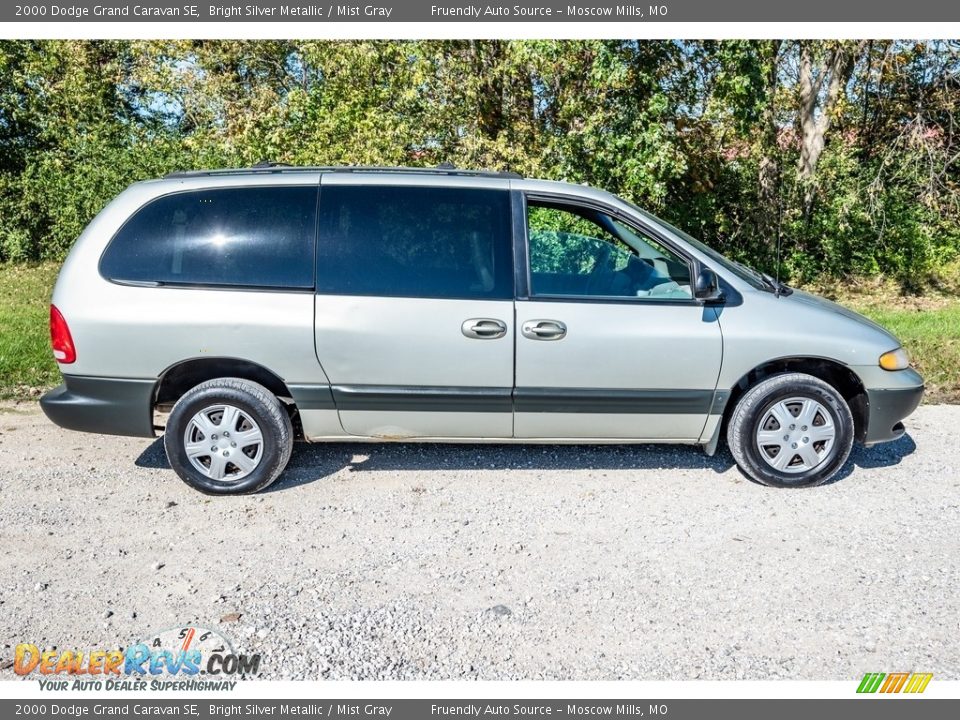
x=610, y=341
x=414, y=307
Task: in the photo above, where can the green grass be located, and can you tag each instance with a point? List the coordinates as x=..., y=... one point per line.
x=26, y=361
x=928, y=326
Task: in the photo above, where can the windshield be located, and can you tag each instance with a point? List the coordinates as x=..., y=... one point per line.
x=745, y=273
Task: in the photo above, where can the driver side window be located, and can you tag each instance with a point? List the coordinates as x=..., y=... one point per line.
x=581, y=252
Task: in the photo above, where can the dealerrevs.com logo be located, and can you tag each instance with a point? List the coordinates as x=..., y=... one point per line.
x=196, y=658
x=887, y=683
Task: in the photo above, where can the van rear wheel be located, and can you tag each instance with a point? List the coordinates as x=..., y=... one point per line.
x=791, y=430
x=228, y=436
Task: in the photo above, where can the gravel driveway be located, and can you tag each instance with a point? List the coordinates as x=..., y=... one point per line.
x=493, y=562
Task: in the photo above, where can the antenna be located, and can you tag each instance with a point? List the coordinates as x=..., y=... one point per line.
x=779, y=224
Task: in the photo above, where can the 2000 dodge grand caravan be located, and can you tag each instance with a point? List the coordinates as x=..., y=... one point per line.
x=334, y=304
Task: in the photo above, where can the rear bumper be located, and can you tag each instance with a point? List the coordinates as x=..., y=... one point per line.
x=109, y=406
x=887, y=407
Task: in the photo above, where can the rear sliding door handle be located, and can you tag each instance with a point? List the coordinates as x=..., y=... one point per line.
x=483, y=328
x=544, y=329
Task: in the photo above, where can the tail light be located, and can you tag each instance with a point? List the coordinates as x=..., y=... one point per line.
x=60, y=339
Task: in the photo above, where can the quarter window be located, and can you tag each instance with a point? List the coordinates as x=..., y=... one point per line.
x=253, y=237
x=414, y=242
x=582, y=252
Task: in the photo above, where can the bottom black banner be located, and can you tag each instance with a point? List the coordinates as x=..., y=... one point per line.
x=874, y=708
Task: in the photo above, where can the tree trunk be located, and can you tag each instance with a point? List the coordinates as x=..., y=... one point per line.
x=835, y=72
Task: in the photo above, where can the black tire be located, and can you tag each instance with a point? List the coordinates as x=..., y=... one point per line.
x=752, y=410
x=261, y=406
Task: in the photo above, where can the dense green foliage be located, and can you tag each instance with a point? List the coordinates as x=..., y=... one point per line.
x=846, y=150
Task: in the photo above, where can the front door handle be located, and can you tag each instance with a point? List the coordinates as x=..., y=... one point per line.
x=544, y=329
x=483, y=328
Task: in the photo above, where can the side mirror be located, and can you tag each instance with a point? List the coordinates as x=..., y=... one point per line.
x=707, y=286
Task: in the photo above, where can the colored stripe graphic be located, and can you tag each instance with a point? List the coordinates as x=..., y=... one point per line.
x=918, y=682
x=894, y=682
x=870, y=682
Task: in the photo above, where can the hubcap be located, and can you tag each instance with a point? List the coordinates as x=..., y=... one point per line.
x=223, y=442
x=796, y=435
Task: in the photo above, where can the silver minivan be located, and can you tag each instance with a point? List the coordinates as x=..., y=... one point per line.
x=256, y=306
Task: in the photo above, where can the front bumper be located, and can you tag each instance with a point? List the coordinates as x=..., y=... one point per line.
x=888, y=406
x=109, y=406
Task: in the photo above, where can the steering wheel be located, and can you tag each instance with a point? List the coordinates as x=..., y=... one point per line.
x=602, y=270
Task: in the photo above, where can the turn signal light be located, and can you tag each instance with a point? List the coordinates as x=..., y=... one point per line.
x=895, y=360
x=60, y=339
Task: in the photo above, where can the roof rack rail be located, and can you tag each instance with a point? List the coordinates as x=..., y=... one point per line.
x=272, y=167
x=264, y=164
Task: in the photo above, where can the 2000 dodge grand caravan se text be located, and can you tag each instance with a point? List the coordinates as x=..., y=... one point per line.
x=263, y=304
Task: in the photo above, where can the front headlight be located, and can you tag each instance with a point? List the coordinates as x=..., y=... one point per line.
x=895, y=360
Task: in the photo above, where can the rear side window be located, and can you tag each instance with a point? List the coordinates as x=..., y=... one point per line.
x=414, y=242
x=250, y=237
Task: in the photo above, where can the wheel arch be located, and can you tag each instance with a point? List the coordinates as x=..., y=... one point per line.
x=832, y=372
x=186, y=374
x=180, y=377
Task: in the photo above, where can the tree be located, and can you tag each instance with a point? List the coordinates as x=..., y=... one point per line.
x=821, y=90
x=846, y=151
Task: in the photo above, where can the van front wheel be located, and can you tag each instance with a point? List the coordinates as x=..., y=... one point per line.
x=791, y=430
x=228, y=436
